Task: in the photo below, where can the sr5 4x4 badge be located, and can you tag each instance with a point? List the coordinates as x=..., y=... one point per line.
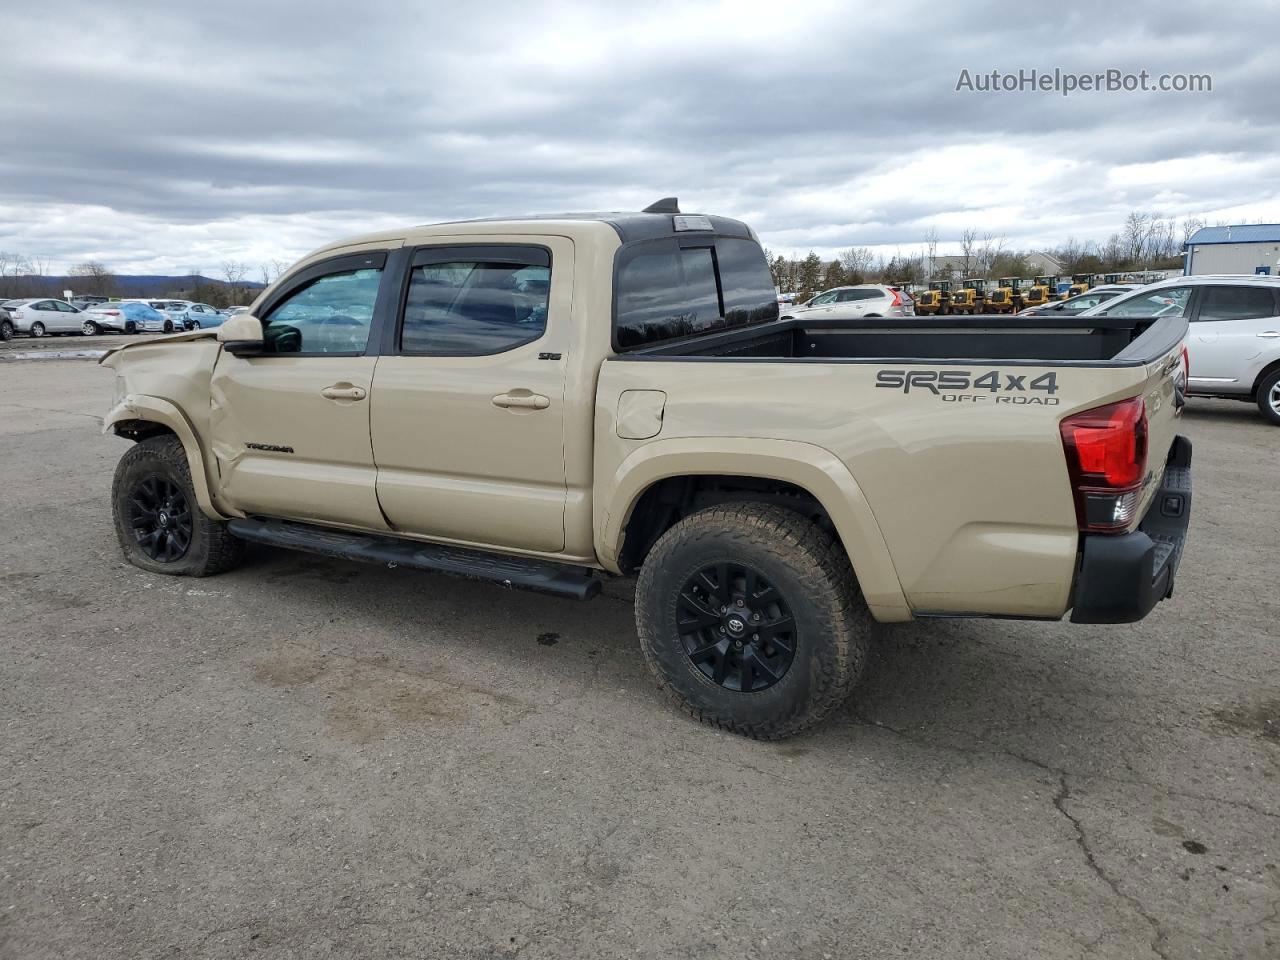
x=963, y=386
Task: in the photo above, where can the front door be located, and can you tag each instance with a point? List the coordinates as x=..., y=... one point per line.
x=468, y=402
x=290, y=428
x=1227, y=332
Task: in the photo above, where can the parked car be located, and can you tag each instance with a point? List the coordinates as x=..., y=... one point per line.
x=776, y=487
x=1078, y=303
x=86, y=301
x=38, y=317
x=850, y=303
x=1233, y=351
x=125, y=316
x=232, y=311
x=201, y=316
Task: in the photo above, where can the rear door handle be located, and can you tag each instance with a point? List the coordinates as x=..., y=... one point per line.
x=344, y=391
x=1269, y=334
x=524, y=401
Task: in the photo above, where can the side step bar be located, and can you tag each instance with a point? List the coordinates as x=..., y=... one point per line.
x=577, y=583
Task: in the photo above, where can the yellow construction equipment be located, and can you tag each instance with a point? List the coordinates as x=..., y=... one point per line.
x=1040, y=292
x=971, y=297
x=1080, y=282
x=935, y=300
x=1006, y=297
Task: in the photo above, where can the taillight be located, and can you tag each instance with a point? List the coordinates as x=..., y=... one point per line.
x=1106, y=450
x=1186, y=363
x=897, y=299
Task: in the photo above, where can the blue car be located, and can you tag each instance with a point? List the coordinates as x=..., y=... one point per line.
x=188, y=315
x=125, y=316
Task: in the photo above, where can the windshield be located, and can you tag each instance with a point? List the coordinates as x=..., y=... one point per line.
x=1166, y=302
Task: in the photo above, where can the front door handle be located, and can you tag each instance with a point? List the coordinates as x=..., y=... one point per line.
x=1269, y=334
x=524, y=401
x=344, y=391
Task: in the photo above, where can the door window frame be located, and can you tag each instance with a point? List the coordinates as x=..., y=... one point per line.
x=346, y=263
x=492, y=252
x=1203, y=290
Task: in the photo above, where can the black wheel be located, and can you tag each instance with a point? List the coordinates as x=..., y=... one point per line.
x=90, y=329
x=195, y=324
x=130, y=327
x=6, y=330
x=37, y=329
x=1269, y=396
x=158, y=523
x=749, y=616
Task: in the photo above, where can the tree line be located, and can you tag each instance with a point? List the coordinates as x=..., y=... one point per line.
x=238, y=282
x=1146, y=241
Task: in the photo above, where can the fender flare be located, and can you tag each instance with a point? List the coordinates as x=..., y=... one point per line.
x=166, y=413
x=810, y=467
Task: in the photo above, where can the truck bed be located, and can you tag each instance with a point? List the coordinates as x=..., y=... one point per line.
x=1083, y=341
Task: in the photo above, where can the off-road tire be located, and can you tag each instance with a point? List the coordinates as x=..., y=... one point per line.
x=212, y=548
x=808, y=567
x=1269, y=397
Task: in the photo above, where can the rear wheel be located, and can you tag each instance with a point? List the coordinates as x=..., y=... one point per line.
x=168, y=326
x=1269, y=396
x=158, y=524
x=749, y=616
x=90, y=329
x=6, y=330
x=130, y=327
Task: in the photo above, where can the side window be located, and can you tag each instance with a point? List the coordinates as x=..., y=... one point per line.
x=62, y=307
x=473, y=303
x=824, y=298
x=1165, y=302
x=1236, y=303
x=331, y=314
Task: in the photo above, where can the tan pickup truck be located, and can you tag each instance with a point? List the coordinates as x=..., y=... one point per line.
x=546, y=401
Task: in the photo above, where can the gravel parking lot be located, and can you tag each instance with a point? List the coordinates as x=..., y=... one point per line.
x=311, y=758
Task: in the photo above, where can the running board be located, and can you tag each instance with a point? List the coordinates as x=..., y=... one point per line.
x=563, y=580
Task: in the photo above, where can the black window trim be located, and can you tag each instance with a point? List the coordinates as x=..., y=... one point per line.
x=500, y=252
x=344, y=263
x=698, y=239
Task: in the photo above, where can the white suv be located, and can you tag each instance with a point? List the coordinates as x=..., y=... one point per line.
x=1234, y=344
x=850, y=303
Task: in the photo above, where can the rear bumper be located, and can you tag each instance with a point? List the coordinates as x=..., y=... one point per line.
x=1121, y=578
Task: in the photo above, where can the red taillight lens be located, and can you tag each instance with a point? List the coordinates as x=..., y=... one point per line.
x=897, y=299
x=1106, y=450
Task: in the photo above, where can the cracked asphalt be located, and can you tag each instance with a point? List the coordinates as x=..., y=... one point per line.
x=311, y=758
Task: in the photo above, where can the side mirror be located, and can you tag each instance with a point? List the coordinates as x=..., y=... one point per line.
x=241, y=335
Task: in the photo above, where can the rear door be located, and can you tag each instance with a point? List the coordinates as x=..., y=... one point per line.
x=468, y=401
x=290, y=428
x=1232, y=324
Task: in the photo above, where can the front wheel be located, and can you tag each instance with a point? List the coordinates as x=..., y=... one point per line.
x=1269, y=397
x=195, y=324
x=168, y=326
x=37, y=329
x=750, y=618
x=158, y=523
x=90, y=329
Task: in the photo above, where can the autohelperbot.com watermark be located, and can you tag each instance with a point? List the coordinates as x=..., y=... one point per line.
x=1066, y=83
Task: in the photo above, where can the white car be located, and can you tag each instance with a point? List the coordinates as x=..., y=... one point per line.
x=38, y=317
x=849, y=303
x=1234, y=345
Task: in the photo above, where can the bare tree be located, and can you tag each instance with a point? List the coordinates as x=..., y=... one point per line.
x=234, y=272
x=97, y=277
x=856, y=263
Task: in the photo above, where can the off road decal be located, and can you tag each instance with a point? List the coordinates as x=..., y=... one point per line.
x=968, y=386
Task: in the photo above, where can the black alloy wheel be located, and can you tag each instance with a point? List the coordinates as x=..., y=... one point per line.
x=160, y=518
x=737, y=629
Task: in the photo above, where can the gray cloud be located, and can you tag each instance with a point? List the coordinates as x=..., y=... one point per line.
x=158, y=137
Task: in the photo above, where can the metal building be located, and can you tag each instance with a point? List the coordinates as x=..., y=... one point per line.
x=1247, y=248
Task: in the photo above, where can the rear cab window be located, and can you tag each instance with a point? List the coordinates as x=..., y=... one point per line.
x=677, y=287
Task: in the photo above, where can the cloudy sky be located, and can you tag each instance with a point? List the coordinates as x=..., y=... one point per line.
x=159, y=137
